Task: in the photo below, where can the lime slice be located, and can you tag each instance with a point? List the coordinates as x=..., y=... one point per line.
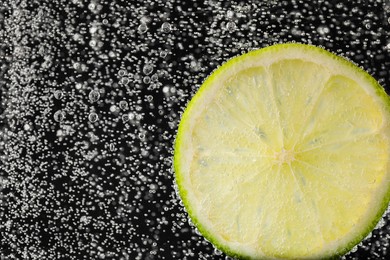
x=284, y=154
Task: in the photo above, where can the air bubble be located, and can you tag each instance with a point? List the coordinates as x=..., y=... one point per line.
x=163, y=54
x=146, y=79
x=154, y=77
x=122, y=73
x=147, y=69
x=124, y=81
x=58, y=94
x=230, y=26
x=131, y=116
x=27, y=127
x=166, y=27
x=142, y=28
x=125, y=118
x=59, y=116
x=93, y=117
x=165, y=89
x=94, y=95
x=113, y=109
x=367, y=24
x=123, y=105
x=323, y=30
x=217, y=251
x=229, y=14
x=92, y=6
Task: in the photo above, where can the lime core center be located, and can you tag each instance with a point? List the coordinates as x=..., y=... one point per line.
x=284, y=156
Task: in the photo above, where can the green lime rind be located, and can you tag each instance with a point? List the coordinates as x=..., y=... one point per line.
x=379, y=91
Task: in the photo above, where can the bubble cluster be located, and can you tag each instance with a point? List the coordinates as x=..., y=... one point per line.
x=91, y=94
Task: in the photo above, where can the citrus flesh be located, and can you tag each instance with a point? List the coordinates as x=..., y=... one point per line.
x=283, y=153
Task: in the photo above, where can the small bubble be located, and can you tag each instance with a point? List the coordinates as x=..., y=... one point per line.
x=113, y=109
x=230, y=14
x=367, y=24
x=231, y=26
x=122, y=73
x=142, y=28
x=154, y=77
x=93, y=29
x=296, y=31
x=123, y=105
x=94, y=95
x=147, y=69
x=217, y=252
x=59, y=116
x=323, y=30
x=125, y=118
x=93, y=117
x=165, y=89
x=59, y=133
x=146, y=79
x=347, y=22
x=194, y=65
x=145, y=19
x=27, y=127
x=92, y=43
x=163, y=54
x=246, y=8
x=84, y=219
x=124, y=81
x=166, y=27
x=92, y=6
x=141, y=136
x=131, y=116
x=58, y=94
